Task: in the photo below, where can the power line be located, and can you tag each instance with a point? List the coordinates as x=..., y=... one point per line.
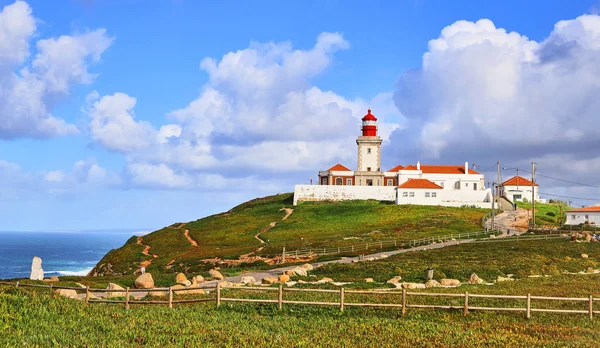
x=569, y=181
x=578, y=198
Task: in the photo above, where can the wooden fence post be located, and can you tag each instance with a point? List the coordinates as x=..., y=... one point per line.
x=342, y=299
x=591, y=307
x=218, y=294
x=280, y=297
x=466, y=308
x=127, y=298
x=528, y=309
x=403, y=301
x=395, y=244
x=170, y=297
x=16, y=285
x=50, y=287
x=283, y=255
x=380, y=244
x=87, y=294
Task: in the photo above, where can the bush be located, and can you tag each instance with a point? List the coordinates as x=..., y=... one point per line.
x=551, y=213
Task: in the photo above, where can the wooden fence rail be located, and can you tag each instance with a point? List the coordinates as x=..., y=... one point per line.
x=341, y=299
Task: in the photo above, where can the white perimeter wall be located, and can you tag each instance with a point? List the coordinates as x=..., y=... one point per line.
x=458, y=198
x=343, y=193
x=576, y=218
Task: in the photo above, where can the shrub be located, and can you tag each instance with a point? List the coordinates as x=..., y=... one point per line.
x=551, y=213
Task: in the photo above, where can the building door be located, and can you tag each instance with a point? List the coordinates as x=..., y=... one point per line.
x=324, y=181
x=369, y=182
x=475, y=187
x=339, y=181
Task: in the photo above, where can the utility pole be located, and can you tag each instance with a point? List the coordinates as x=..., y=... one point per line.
x=533, y=193
x=493, y=205
x=499, y=180
x=517, y=179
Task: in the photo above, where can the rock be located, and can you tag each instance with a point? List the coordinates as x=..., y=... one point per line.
x=52, y=279
x=300, y=271
x=432, y=283
x=588, y=237
x=584, y=256
x=302, y=282
x=144, y=281
x=308, y=267
x=594, y=240
x=70, y=293
x=325, y=280
x=395, y=280
x=290, y=284
x=158, y=293
x=37, y=273
x=190, y=290
x=475, y=279
x=369, y=259
x=226, y=284
x=248, y=280
x=384, y=256
x=368, y=280
x=290, y=272
x=216, y=274
x=114, y=293
x=197, y=279
x=270, y=280
x=412, y=286
x=186, y=283
x=492, y=236
x=181, y=278
x=284, y=278
x=449, y=282
x=503, y=279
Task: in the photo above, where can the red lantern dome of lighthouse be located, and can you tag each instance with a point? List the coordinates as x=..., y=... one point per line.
x=369, y=125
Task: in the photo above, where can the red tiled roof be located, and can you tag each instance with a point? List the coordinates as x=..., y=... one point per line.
x=420, y=184
x=594, y=208
x=441, y=169
x=338, y=167
x=396, y=168
x=517, y=181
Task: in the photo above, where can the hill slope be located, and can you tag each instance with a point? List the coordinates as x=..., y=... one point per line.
x=261, y=227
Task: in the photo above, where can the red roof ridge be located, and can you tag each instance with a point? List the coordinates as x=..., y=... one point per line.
x=518, y=180
x=420, y=184
x=396, y=168
x=338, y=167
x=593, y=208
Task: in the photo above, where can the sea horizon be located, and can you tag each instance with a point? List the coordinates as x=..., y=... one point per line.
x=63, y=253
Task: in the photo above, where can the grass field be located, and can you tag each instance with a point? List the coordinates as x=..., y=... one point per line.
x=36, y=318
x=546, y=213
x=312, y=224
x=488, y=260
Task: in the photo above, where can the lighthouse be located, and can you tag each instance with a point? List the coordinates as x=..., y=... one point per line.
x=369, y=152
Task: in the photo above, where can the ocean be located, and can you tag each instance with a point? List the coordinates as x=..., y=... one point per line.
x=62, y=253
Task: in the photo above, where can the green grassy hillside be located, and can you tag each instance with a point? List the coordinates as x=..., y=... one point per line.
x=311, y=224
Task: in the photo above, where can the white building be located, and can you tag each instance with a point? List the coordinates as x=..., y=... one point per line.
x=587, y=215
x=517, y=189
x=448, y=185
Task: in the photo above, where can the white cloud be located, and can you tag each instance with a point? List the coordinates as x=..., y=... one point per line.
x=28, y=97
x=258, y=112
x=83, y=176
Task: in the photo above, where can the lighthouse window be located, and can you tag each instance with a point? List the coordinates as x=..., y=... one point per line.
x=368, y=150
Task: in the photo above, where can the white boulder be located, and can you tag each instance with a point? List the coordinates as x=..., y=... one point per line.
x=37, y=273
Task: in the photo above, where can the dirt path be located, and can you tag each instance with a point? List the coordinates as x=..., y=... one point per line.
x=146, y=252
x=288, y=212
x=514, y=221
x=186, y=233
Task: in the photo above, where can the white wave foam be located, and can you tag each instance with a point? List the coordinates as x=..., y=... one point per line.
x=83, y=272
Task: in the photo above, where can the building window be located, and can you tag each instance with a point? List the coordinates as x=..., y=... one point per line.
x=442, y=184
x=339, y=181
x=427, y=194
x=573, y=216
x=466, y=184
x=390, y=182
x=368, y=150
x=359, y=182
x=457, y=185
x=377, y=182
x=434, y=194
x=368, y=169
x=475, y=187
x=369, y=182
x=404, y=194
x=324, y=181
x=411, y=194
x=349, y=182
x=587, y=217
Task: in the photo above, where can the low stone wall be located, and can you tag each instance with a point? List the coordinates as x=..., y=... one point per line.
x=343, y=193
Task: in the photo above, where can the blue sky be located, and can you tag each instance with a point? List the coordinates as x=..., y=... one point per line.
x=169, y=111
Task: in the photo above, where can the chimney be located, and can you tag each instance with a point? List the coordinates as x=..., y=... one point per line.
x=418, y=165
x=466, y=167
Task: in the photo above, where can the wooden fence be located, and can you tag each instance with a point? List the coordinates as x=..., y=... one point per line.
x=380, y=245
x=341, y=301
